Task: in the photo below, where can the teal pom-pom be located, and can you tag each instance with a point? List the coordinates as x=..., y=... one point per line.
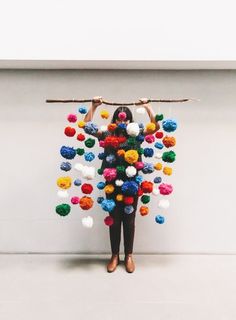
x=159, y=219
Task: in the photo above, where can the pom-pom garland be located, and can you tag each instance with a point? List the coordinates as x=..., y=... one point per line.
x=148, y=168
x=157, y=180
x=159, y=117
x=77, y=182
x=145, y=199
x=80, y=151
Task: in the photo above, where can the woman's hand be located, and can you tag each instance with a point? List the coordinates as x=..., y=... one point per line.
x=144, y=101
x=96, y=101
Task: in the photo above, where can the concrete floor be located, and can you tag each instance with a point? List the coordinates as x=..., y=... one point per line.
x=37, y=286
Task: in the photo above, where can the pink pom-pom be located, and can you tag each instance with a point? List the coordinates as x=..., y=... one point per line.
x=139, y=165
x=150, y=138
x=109, y=221
x=72, y=117
x=122, y=115
x=109, y=174
x=165, y=188
x=101, y=143
x=75, y=200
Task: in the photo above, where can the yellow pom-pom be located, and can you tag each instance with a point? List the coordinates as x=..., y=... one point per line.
x=150, y=127
x=158, y=166
x=167, y=171
x=109, y=189
x=104, y=114
x=81, y=124
x=64, y=182
x=131, y=156
x=119, y=197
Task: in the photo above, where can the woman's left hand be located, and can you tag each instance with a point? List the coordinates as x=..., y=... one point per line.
x=145, y=102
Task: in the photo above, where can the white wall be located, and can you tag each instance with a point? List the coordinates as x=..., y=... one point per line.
x=202, y=213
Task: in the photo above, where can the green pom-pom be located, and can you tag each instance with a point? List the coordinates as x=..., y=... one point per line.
x=89, y=142
x=63, y=209
x=140, y=151
x=145, y=198
x=159, y=117
x=131, y=141
x=100, y=171
x=120, y=169
x=168, y=156
x=80, y=151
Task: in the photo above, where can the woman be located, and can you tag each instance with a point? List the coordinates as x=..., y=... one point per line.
x=114, y=161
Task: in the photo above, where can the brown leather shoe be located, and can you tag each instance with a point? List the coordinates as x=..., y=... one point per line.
x=112, y=264
x=129, y=263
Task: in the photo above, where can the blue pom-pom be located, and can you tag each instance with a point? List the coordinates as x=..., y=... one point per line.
x=141, y=126
x=140, y=138
x=128, y=209
x=169, y=125
x=66, y=166
x=110, y=158
x=91, y=128
x=77, y=182
x=100, y=200
x=138, y=179
x=101, y=185
x=129, y=188
x=148, y=152
x=158, y=145
x=101, y=155
x=148, y=167
x=108, y=205
x=82, y=110
x=89, y=156
x=157, y=180
x=68, y=152
x=159, y=219
x=122, y=125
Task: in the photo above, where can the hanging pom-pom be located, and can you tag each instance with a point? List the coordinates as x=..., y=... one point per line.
x=72, y=117
x=163, y=204
x=74, y=200
x=88, y=173
x=119, y=197
x=80, y=137
x=131, y=141
x=122, y=126
x=89, y=143
x=131, y=156
x=103, y=128
x=138, y=179
x=168, y=156
x=169, y=125
x=159, y=219
x=62, y=193
x=87, y=222
x=130, y=171
x=77, y=182
x=159, y=117
x=140, y=192
x=101, y=185
x=158, y=145
x=89, y=156
x=151, y=127
x=140, y=110
x=110, y=158
x=167, y=171
x=101, y=155
x=129, y=188
x=69, y=132
x=159, y=134
x=143, y=210
x=101, y=143
x=165, y=188
x=108, y=205
x=155, y=191
x=145, y=199
x=139, y=165
x=81, y=124
x=148, y=168
x=169, y=141
x=133, y=129
x=119, y=183
x=100, y=200
x=120, y=152
x=80, y=151
x=122, y=115
x=86, y=203
x=120, y=169
x=157, y=180
x=148, y=152
x=109, y=174
x=109, y=189
x=64, y=182
x=104, y=114
x=158, y=155
x=87, y=188
x=150, y=138
x=66, y=166
x=63, y=209
x=128, y=209
x=147, y=186
x=112, y=127
x=128, y=200
x=91, y=128
x=82, y=110
x=140, y=138
x=158, y=166
x=68, y=152
x=109, y=221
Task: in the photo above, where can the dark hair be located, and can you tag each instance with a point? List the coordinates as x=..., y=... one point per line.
x=129, y=115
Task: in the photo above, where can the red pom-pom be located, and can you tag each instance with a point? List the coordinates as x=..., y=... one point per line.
x=69, y=132
x=159, y=134
x=113, y=141
x=128, y=200
x=80, y=137
x=109, y=221
x=87, y=188
x=147, y=186
x=140, y=192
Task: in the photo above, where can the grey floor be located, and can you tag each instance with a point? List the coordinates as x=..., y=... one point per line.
x=35, y=286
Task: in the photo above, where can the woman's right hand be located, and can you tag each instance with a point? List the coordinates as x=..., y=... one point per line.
x=96, y=101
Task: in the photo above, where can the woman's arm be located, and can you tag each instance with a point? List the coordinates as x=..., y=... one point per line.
x=96, y=101
x=150, y=113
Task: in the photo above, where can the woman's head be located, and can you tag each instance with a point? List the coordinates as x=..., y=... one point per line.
x=128, y=119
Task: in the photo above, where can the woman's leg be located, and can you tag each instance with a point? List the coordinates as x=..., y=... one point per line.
x=115, y=230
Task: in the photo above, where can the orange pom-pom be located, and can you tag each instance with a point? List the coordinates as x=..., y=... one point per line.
x=121, y=152
x=143, y=210
x=119, y=197
x=147, y=186
x=86, y=203
x=167, y=171
x=112, y=127
x=169, y=141
x=109, y=188
x=150, y=127
x=158, y=166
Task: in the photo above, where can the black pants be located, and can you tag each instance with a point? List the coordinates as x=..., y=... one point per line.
x=128, y=220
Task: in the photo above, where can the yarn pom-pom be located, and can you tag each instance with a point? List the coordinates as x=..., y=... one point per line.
x=147, y=186
x=169, y=141
x=158, y=145
x=140, y=192
x=101, y=185
x=108, y=205
x=112, y=127
x=119, y=183
x=133, y=129
x=81, y=124
x=140, y=138
x=138, y=179
x=89, y=156
x=113, y=141
x=109, y=174
x=169, y=125
x=62, y=193
x=122, y=115
x=131, y=156
x=87, y=188
x=167, y=171
x=86, y=203
x=165, y=188
x=87, y=172
x=159, y=219
x=163, y=204
x=159, y=134
x=74, y=200
x=101, y=156
x=159, y=117
x=145, y=199
x=128, y=209
x=120, y=169
x=100, y=200
x=122, y=126
x=89, y=143
x=80, y=137
x=109, y=221
x=128, y=200
x=63, y=209
x=70, y=132
x=119, y=197
x=168, y=156
x=157, y=180
x=64, y=182
x=109, y=188
x=72, y=117
x=131, y=141
x=150, y=127
x=143, y=210
x=66, y=166
x=68, y=152
x=140, y=110
x=130, y=171
x=148, y=152
x=101, y=143
x=120, y=152
x=82, y=110
x=148, y=168
x=158, y=155
x=103, y=128
x=139, y=165
x=91, y=128
x=150, y=138
x=129, y=188
x=80, y=151
x=87, y=222
x=77, y=182
x=110, y=158
x=104, y=114
x=155, y=191
x=158, y=166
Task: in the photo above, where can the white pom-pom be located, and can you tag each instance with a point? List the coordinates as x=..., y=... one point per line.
x=133, y=129
x=119, y=183
x=88, y=173
x=63, y=193
x=87, y=222
x=158, y=155
x=103, y=128
x=130, y=171
x=155, y=191
x=163, y=204
x=78, y=166
x=141, y=110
